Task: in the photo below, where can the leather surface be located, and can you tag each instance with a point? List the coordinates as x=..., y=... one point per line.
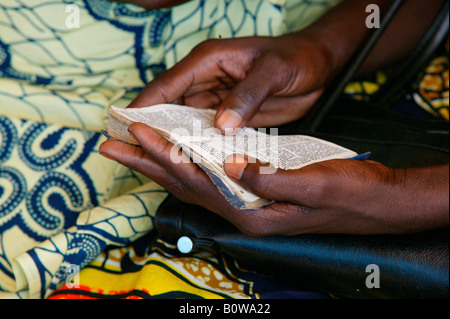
x=410, y=266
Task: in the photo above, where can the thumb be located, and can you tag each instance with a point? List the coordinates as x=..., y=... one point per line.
x=267, y=182
x=245, y=99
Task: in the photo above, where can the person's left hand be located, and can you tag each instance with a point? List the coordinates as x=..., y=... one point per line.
x=337, y=196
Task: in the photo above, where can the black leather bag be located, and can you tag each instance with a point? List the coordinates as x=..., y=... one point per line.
x=410, y=266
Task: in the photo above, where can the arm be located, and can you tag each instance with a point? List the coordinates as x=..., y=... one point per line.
x=403, y=34
x=346, y=196
x=344, y=29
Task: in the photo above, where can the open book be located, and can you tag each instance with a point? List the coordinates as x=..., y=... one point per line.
x=192, y=130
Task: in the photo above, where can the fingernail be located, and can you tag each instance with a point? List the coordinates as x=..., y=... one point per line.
x=229, y=119
x=131, y=128
x=235, y=166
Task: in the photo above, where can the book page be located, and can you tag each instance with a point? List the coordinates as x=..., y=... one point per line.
x=285, y=152
x=296, y=151
x=176, y=119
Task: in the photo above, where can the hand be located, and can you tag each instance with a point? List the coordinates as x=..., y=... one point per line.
x=338, y=196
x=153, y=4
x=269, y=81
x=257, y=81
x=348, y=196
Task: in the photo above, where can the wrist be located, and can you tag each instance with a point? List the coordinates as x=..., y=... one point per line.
x=418, y=199
x=334, y=54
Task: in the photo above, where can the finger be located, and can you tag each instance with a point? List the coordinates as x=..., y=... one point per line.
x=166, y=88
x=245, y=99
x=192, y=187
x=189, y=74
x=136, y=159
x=193, y=180
x=208, y=99
x=219, y=83
x=166, y=154
x=277, y=111
x=205, y=100
x=265, y=181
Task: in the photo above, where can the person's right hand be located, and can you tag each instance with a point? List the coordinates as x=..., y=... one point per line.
x=254, y=81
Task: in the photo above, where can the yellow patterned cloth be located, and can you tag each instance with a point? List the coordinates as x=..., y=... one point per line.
x=63, y=206
x=362, y=90
x=160, y=271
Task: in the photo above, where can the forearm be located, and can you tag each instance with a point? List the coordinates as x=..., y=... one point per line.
x=343, y=29
x=419, y=198
x=403, y=34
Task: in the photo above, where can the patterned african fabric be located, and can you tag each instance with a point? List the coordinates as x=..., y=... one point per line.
x=159, y=271
x=432, y=92
x=65, y=208
x=429, y=93
x=363, y=89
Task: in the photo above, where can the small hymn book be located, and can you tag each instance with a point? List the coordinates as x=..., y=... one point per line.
x=192, y=130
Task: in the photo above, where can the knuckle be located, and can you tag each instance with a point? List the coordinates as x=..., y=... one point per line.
x=187, y=188
x=136, y=158
x=275, y=59
x=162, y=94
x=246, y=96
x=161, y=146
x=281, y=66
x=323, y=56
